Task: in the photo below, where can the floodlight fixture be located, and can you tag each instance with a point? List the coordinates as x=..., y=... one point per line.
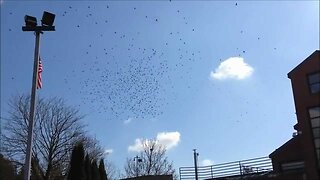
x=46, y=23
x=47, y=19
x=30, y=21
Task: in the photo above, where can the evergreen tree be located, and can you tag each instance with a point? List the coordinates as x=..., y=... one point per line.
x=102, y=171
x=6, y=168
x=36, y=173
x=87, y=167
x=94, y=171
x=76, y=171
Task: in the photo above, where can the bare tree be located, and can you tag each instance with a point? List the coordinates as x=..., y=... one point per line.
x=57, y=128
x=92, y=147
x=152, y=160
x=113, y=172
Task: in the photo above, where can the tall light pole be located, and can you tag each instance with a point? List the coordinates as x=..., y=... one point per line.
x=31, y=25
x=137, y=160
x=150, y=160
x=195, y=158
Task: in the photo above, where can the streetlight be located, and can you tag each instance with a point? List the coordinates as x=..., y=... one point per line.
x=195, y=157
x=31, y=25
x=150, y=160
x=137, y=160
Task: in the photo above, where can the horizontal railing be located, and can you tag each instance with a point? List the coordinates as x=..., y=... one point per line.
x=236, y=168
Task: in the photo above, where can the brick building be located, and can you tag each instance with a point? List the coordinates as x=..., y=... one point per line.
x=302, y=152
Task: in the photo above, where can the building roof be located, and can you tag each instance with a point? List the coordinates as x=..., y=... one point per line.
x=290, y=146
x=314, y=54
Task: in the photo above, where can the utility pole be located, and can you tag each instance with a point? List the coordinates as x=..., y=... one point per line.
x=195, y=158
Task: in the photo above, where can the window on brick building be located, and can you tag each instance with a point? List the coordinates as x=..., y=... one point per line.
x=314, y=114
x=314, y=82
x=316, y=132
x=315, y=122
x=292, y=165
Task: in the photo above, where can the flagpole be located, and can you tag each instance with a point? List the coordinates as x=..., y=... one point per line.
x=27, y=166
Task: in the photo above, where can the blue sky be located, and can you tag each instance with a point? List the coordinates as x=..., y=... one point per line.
x=208, y=75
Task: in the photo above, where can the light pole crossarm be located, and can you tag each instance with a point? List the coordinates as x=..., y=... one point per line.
x=38, y=28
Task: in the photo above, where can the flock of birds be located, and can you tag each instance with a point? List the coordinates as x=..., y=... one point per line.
x=136, y=86
x=130, y=80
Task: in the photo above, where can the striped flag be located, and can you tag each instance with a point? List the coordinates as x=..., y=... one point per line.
x=39, y=81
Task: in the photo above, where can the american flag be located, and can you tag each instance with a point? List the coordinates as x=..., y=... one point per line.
x=39, y=82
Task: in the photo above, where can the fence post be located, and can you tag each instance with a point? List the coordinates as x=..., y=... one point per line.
x=211, y=171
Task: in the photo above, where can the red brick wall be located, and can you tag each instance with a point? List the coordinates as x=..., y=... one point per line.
x=303, y=100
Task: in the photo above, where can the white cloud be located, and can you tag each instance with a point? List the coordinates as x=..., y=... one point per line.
x=137, y=146
x=232, y=68
x=108, y=151
x=127, y=121
x=167, y=139
x=206, y=162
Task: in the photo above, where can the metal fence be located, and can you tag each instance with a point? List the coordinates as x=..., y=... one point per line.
x=236, y=168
